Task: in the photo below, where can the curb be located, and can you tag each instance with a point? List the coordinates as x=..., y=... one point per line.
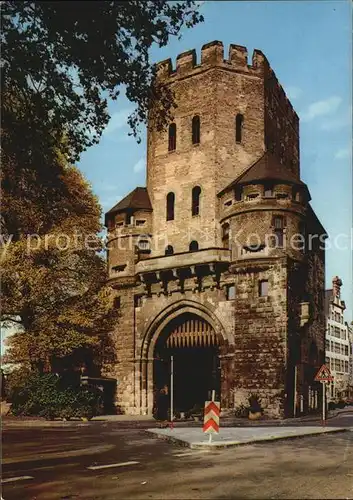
x=232, y=444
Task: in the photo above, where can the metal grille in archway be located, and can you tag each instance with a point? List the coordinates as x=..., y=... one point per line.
x=189, y=330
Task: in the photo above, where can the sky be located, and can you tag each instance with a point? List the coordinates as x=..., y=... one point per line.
x=308, y=44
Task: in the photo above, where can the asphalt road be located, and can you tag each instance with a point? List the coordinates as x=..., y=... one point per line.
x=58, y=465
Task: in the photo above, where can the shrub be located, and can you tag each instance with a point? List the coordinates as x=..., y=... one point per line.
x=331, y=405
x=341, y=404
x=47, y=396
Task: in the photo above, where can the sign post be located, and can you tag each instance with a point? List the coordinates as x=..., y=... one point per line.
x=211, y=417
x=295, y=391
x=323, y=376
x=171, y=391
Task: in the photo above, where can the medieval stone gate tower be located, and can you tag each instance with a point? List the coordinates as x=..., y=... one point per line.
x=211, y=262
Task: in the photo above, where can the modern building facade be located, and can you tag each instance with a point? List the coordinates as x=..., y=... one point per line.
x=338, y=342
x=213, y=262
x=350, y=378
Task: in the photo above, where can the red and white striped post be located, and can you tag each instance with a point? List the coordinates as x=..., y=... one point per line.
x=211, y=417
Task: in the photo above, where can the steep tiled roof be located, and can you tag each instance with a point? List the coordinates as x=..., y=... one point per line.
x=268, y=167
x=138, y=199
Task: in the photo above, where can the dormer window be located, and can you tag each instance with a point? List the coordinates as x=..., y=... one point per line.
x=268, y=191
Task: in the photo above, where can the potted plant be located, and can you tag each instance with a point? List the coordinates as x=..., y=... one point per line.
x=255, y=410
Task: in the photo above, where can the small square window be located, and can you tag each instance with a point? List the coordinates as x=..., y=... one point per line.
x=119, y=269
x=252, y=196
x=230, y=292
x=263, y=288
x=140, y=222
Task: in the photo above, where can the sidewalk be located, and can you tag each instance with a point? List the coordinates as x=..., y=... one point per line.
x=143, y=420
x=230, y=436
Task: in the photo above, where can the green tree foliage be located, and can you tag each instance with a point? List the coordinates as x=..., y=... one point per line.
x=54, y=284
x=48, y=396
x=62, y=60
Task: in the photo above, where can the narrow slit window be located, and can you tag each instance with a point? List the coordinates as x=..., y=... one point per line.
x=195, y=205
x=196, y=130
x=239, y=122
x=170, y=206
x=172, y=137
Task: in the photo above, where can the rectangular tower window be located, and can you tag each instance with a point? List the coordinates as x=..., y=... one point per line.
x=172, y=137
x=263, y=288
x=239, y=121
x=278, y=225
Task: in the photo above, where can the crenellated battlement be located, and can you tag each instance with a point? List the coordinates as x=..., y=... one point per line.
x=212, y=54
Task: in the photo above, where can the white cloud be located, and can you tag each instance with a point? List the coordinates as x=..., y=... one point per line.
x=117, y=121
x=343, y=153
x=339, y=122
x=139, y=166
x=293, y=92
x=321, y=108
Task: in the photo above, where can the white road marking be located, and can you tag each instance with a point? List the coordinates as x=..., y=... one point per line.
x=122, y=464
x=191, y=453
x=19, y=478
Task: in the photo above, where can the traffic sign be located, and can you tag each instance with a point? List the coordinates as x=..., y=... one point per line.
x=211, y=417
x=324, y=374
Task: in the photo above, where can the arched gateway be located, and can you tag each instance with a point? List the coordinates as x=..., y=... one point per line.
x=194, y=338
x=194, y=346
